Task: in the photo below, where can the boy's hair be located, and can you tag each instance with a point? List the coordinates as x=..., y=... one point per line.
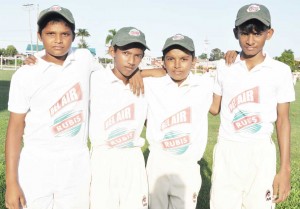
x=251, y=26
x=130, y=46
x=56, y=14
x=55, y=18
x=165, y=51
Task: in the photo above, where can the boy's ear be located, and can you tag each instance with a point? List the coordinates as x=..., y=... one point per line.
x=194, y=62
x=39, y=36
x=270, y=33
x=235, y=32
x=111, y=51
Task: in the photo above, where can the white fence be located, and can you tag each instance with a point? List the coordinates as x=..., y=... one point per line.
x=11, y=63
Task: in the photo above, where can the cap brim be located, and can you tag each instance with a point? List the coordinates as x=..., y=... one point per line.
x=245, y=19
x=178, y=44
x=124, y=43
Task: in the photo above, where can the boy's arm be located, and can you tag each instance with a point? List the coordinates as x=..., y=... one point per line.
x=136, y=80
x=216, y=104
x=14, y=196
x=282, y=184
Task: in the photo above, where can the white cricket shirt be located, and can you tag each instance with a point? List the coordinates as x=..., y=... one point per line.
x=117, y=116
x=55, y=100
x=250, y=98
x=177, y=115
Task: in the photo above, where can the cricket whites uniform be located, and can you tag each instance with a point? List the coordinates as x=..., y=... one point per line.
x=54, y=167
x=245, y=156
x=177, y=135
x=117, y=119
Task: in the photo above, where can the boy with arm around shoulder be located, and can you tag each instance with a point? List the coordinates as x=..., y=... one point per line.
x=48, y=104
x=117, y=119
x=253, y=93
x=177, y=124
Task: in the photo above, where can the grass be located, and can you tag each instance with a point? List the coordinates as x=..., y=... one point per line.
x=293, y=201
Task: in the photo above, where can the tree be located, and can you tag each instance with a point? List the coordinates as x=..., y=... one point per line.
x=2, y=50
x=216, y=54
x=288, y=58
x=10, y=51
x=82, y=33
x=202, y=56
x=109, y=37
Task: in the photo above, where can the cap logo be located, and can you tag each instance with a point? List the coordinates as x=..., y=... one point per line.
x=55, y=8
x=134, y=32
x=253, y=8
x=178, y=37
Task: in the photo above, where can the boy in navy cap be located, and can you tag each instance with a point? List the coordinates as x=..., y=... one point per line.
x=254, y=93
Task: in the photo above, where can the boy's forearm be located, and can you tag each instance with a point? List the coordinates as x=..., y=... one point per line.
x=13, y=147
x=216, y=104
x=283, y=137
x=283, y=129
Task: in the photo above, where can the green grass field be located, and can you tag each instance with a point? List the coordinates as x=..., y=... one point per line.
x=293, y=201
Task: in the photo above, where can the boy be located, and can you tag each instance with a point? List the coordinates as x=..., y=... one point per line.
x=178, y=104
x=49, y=110
x=255, y=91
x=117, y=117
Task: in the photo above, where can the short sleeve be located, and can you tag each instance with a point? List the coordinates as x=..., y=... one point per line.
x=285, y=91
x=18, y=101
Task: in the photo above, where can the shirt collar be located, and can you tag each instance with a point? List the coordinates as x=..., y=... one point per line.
x=189, y=81
x=112, y=78
x=266, y=63
x=44, y=65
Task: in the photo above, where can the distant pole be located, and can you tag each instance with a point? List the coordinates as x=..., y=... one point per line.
x=206, y=43
x=29, y=7
x=37, y=38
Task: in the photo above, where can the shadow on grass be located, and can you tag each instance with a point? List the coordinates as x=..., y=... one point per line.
x=4, y=91
x=204, y=193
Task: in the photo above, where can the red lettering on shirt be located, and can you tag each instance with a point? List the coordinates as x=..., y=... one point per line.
x=121, y=139
x=127, y=113
x=72, y=95
x=68, y=123
x=177, y=142
x=250, y=95
x=183, y=116
x=246, y=121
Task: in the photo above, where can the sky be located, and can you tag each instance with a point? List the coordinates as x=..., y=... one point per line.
x=210, y=20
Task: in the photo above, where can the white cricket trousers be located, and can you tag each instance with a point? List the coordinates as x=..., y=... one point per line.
x=173, y=184
x=55, y=179
x=243, y=174
x=119, y=179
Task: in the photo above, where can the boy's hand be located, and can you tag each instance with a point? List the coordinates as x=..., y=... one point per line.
x=14, y=197
x=230, y=57
x=31, y=60
x=136, y=83
x=281, y=186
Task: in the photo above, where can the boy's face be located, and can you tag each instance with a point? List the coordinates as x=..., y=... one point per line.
x=57, y=38
x=126, y=61
x=253, y=43
x=178, y=64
